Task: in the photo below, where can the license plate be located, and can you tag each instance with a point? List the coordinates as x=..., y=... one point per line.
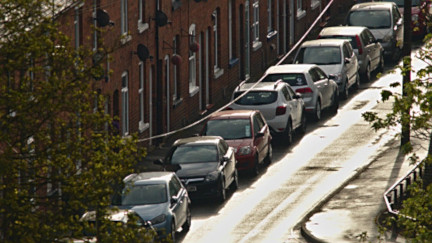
x=191, y=188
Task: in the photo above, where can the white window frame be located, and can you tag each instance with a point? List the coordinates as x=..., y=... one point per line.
x=300, y=11
x=193, y=88
x=175, y=88
x=256, y=43
x=142, y=24
x=142, y=126
x=77, y=26
x=269, y=15
x=216, y=40
x=125, y=37
x=315, y=3
x=230, y=30
x=95, y=33
x=125, y=103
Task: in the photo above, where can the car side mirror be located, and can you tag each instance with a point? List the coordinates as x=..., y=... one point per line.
x=174, y=200
x=297, y=96
x=260, y=134
x=332, y=76
x=347, y=60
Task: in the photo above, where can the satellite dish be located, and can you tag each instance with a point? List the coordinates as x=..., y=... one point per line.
x=142, y=52
x=161, y=18
x=102, y=17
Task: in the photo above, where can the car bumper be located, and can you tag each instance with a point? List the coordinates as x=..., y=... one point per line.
x=278, y=124
x=245, y=162
x=202, y=189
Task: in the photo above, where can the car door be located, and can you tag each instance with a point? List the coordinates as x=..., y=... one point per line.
x=372, y=48
x=293, y=104
x=322, y=83
x=228, y=166
x=179, y=205
x=350, y=65
x=259, y=141
x=398, y=26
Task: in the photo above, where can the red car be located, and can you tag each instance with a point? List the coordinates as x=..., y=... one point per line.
x=421, y=11
x=247, y=132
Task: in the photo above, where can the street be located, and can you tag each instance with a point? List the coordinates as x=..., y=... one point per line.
x=269, y=207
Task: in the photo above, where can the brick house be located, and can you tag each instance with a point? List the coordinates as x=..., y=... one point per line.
x=177, y=60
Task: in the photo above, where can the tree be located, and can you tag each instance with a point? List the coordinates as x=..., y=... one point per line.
x=58, y=154
x=417, y=99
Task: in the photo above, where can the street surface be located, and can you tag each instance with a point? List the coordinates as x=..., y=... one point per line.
x=269, y=208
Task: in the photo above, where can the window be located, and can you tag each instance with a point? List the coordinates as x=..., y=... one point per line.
x=215, y=17
x=192, y=63
x=95, y=33
x=141, y=93
x=300, y=12
x=142, y=24
x=125, y=104
x=176, y=85
x=176, y=4
x=269, y=15
x=255, y=24
x=124, y=17
x=78, y=27
x=231, y=30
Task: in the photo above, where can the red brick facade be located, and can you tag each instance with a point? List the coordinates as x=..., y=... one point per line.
x=169, y=100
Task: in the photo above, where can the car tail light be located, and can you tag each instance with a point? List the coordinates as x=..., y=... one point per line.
x=280, y=110
x=304, y=90
x=360, y=49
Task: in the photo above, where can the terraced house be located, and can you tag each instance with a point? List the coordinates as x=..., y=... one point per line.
x=177, y=60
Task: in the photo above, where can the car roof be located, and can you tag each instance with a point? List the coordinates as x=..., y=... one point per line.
x=342, y=30
x=198, y=140
x=324, y=42
x=372, y=6
x=290, y=68
x=264, y=86
x=232, y=114
x=150, y=177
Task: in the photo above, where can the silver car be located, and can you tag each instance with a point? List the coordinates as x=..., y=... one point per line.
x=370, y=53
x=336, y=57
x=384, y=21
x=318, y=91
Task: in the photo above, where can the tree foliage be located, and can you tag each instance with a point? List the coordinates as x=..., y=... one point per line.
x=59, y=153
x=418, y=101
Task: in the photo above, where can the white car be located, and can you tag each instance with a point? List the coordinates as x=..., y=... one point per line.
x=318, y=91
x=336, y=57
x=283, y=109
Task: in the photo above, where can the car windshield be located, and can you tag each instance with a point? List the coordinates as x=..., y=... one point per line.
x=256, y=98
x=293, y=79
x=144, y=194
x=401, y=3
x=373, y=19
x=321, y=55
x=194, y=154
x=352, y=39
x=229, y=129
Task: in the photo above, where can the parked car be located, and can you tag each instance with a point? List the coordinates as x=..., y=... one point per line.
x=370, y=53
x=318, y=91
x=206, y=165
x=283, y=109
x=421, y=11
x=119, y=218
x=247, y=132
x=336, y=57
x=384, y=21
x=157, y=197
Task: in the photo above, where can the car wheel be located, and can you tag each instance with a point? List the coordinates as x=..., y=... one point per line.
x=222, y=191
x=381, y=65
x=303, y=125
x=256, y=169
x=345, y=91
x=335, y=103
x=173, y=232
x=357, y=82
x=235, y=183
x=367, y=74
x=187, y=223
x=397, y=55
x=269, y=157
x=317, y=114
x=289, y=133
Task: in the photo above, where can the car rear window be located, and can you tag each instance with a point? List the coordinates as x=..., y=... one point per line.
x=144, y=194
x=293, y=79
x=229, y=128
x=350, y=38
x=321, y=55
x=256, y=98
x=194, y=154
x=373, y=19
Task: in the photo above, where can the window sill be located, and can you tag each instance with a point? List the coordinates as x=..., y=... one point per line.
x=233, y=62
x=218, y=72
x=143, y=126
x=256, y=45
x=300, y=13
x=125, y=38
x=272, y=34
x=177, y=102
x=315, y=4
x=142, y=27
x=193, y=90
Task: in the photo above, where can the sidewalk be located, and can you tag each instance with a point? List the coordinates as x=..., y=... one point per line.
x=352, y=214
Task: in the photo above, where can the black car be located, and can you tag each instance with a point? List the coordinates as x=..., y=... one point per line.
x=206, y=165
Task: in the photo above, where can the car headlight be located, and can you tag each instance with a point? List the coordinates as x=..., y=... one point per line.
x=387, y=38
x=245, y=150
x=212, y=176
x=159, y=219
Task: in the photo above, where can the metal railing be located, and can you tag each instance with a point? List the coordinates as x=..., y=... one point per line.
x=395, y=195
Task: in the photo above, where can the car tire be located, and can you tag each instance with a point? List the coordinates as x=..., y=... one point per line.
x=317, y=111
x=367, y=74
x=335, y=103
x=173, y=232
x=187, y=223
x=269, y=157
x=381, y=64
x=357, y=82
x=289, y=133
x=222, y=191
x=235, y=183
x=256, y=169
x=303, y=125
x=345, y=91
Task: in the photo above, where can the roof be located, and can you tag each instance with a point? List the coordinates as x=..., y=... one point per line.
x=229, y=114
x=154, y=176
x=290, y=68
x=372, y=6
x=324, y=42
x=268, y=86
x=342, y=30
x=198, y=140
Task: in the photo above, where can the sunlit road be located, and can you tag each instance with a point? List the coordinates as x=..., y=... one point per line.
x=267, y=208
